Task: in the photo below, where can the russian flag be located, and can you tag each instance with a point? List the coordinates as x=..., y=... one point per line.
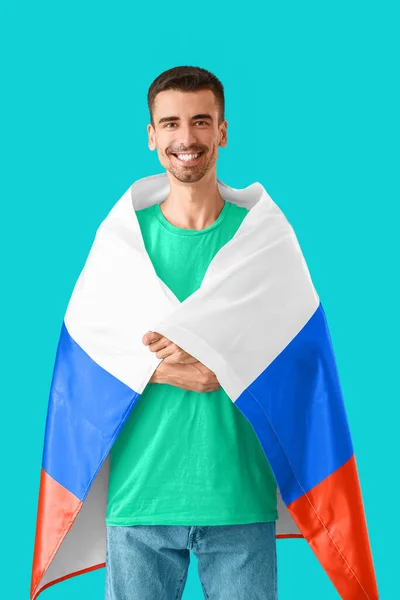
x=257, y=322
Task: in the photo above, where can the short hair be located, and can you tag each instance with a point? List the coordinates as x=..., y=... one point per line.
x=187, y=79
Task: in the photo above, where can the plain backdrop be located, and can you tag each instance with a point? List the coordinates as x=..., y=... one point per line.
x=312, y=109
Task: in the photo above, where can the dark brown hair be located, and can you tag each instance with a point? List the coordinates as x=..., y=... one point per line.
x=187, y=79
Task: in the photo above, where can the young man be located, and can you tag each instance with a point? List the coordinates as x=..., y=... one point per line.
x=187, y=471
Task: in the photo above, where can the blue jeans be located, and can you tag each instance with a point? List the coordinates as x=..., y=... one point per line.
x=150, y=562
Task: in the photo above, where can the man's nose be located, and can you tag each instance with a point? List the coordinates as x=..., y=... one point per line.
x=187, y=136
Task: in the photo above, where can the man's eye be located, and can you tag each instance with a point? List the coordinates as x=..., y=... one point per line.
x=167, y=125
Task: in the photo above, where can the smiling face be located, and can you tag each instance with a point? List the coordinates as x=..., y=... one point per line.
x=186, y=124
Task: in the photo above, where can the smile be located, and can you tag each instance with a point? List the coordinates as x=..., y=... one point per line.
x=188, y=159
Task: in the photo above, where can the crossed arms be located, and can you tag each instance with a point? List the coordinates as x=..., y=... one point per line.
x=179, y=368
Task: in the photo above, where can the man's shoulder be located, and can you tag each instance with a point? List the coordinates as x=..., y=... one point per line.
x=239, y=210
x=144, y=211
x=145, y=215
x=236, y=213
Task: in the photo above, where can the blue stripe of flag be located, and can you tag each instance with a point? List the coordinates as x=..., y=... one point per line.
x=86, y=410
x=297, y=411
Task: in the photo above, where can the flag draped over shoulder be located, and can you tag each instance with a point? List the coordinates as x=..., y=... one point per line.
x=257, y=322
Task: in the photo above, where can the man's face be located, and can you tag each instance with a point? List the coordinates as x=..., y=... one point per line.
x=187, y=123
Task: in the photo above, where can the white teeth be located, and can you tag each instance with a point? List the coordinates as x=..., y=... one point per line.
x=188, y=157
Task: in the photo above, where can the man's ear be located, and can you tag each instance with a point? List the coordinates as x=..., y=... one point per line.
x=223, y=138
x=151, y=137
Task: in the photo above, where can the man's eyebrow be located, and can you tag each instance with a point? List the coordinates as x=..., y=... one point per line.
x=199, y=116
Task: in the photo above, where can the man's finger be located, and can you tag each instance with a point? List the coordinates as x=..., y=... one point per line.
x=150, y=337
x=161, y=343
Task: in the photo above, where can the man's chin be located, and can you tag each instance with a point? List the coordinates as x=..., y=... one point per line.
x=186, y=176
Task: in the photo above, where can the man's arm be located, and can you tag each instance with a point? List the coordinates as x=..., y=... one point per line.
x=193, y=376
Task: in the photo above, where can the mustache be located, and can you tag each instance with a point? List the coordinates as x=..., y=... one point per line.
x=189, y=150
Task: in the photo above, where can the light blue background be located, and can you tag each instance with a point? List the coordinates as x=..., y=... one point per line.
x=311, y=107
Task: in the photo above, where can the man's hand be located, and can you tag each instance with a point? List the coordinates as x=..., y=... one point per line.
x=195, y=377
x=167, y=350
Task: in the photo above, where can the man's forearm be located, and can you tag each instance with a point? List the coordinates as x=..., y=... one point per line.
x=176, y=374
x=187, y=376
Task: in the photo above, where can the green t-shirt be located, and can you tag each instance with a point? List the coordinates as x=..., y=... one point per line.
x=184, y=457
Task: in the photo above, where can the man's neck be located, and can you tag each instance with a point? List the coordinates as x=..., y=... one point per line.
x=192, y=205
